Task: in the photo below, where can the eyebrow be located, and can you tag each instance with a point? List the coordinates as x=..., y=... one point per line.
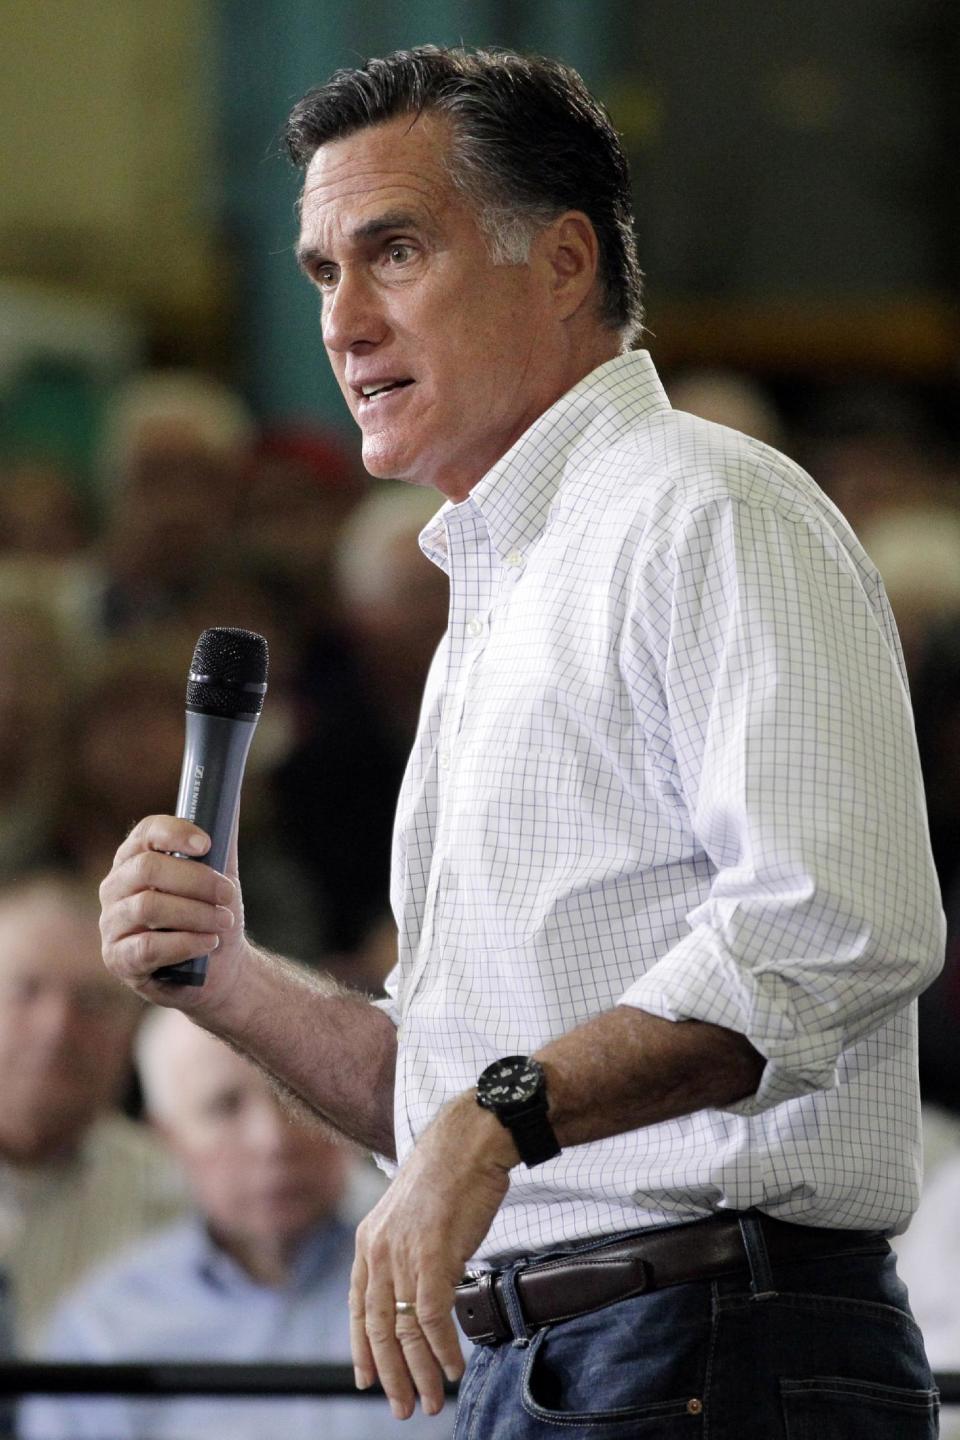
x=308, y=255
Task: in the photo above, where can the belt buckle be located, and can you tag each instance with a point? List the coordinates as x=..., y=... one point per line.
x=484, y=1310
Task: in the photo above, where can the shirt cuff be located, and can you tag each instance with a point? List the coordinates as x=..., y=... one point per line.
x=389, y=1167
x=697, y=980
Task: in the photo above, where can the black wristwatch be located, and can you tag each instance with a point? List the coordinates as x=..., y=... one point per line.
x=515, y=1089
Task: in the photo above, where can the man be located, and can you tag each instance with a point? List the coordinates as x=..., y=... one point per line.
x=662, y=829
x=77, y=1178
x=261, y=1272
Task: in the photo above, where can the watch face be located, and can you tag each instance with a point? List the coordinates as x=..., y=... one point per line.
x=510, y=1081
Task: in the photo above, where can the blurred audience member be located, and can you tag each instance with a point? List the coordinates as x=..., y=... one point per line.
x=300, y=487
x=41, y=512
x=125, y=741
x=260, y=1273
x=34, y=682
x=916, y=548
x=936, y=702
x=728, y=398
x=77, y=1179
x=174, y=448
x=872, y=446
x=362, y=691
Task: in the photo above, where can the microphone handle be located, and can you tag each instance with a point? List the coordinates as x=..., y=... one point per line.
x=214, y=755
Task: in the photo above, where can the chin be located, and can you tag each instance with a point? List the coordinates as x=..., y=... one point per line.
x=382, y=465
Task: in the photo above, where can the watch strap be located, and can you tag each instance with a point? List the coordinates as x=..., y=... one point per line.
x=533, y=1135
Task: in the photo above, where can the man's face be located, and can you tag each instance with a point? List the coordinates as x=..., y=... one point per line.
x=65, y=1027
x=258, y=1174
x=412, y=305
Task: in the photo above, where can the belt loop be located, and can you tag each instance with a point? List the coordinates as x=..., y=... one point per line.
x=754, y=1243
x=507, y=1279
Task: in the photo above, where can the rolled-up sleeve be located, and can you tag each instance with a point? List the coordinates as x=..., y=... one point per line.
x=792, y=750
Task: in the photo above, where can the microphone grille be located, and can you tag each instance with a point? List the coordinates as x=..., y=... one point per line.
x=228, y=673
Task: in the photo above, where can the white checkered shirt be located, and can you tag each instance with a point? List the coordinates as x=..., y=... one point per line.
x=666, y=759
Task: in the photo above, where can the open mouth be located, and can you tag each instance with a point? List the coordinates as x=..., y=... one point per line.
x=374, y=392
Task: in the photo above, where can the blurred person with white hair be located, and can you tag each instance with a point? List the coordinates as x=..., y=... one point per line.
x=77, y=1177
x=171, y=460
x=362, y=686
x=260, y=1271
x=169, y=412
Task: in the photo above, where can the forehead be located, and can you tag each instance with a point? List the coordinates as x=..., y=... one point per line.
x=199, y=1065
x=46, y=936
x=397, y=166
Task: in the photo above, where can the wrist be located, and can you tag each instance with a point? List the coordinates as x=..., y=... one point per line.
x=483, y=1141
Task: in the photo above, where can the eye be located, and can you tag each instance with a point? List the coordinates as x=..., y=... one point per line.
x=399, y=252
x=325, y=276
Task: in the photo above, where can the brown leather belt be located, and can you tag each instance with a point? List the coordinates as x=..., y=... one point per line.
x=577, y=1282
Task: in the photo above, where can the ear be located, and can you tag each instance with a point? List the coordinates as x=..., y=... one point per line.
x=570, y=249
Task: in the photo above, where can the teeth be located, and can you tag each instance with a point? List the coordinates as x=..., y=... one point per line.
x=376, y=389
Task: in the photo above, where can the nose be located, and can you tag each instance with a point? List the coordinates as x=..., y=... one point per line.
x=353, y=316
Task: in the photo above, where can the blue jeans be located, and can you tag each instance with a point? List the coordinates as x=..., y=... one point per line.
x=816, y=1350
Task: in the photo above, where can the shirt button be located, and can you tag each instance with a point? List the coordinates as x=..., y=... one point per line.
x=443, y=759
x=514, y=559
x=475, y=625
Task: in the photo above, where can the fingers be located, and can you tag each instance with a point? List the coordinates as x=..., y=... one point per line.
x=435, y=1317
x=364, y=1368
x=165, y=833
x=158, y=908
x=408, y=1352
x=170, y=878
x=399, y=1352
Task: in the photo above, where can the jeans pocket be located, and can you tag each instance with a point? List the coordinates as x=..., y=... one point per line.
x=833, y=1408
x=558, y=1378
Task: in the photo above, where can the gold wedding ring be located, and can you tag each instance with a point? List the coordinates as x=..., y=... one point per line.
x=405, y=1307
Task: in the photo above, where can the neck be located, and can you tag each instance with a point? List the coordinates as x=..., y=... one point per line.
x=268, y=1261
x=580, y=352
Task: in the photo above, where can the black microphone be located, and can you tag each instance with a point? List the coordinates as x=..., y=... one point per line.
x=225, y=690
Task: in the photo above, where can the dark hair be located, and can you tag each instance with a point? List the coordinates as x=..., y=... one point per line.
x=530, y=142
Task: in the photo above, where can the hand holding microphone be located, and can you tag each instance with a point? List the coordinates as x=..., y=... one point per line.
x=225, y=690
x=158, y=909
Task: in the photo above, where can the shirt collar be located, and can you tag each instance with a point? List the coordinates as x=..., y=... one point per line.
x=515, y=496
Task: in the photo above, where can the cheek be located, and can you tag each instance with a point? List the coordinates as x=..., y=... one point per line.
x=14, y=1042
x=218, y=1182
x=108, y=1051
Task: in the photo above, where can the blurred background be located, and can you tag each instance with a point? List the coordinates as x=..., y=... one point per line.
x=174, y=454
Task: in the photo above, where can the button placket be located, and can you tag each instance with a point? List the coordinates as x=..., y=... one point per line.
x=471, y=564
